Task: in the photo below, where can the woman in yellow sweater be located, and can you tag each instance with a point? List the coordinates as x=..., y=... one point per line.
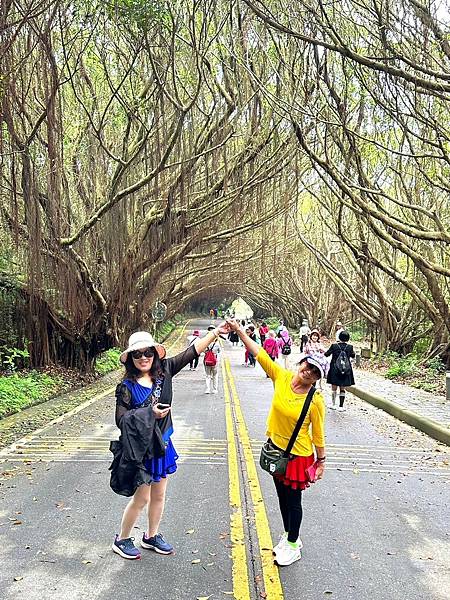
x=290, y=391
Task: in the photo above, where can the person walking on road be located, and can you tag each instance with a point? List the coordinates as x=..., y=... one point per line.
x=290, y=392
x=271, y=346
x=337, y=330
x=191, y=339
x=284, y=344
x=250, y=331
x=144, y=416
x=340, y=373
x=314, y=345
x=211, y=364
x=304, y=335
x=263, y=332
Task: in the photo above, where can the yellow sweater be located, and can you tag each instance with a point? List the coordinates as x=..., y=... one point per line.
x=285, y=411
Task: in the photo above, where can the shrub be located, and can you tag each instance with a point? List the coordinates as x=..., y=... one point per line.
x=12, y=358
x=405, y=366
x=108, y=361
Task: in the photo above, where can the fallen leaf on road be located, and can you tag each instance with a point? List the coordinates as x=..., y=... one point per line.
x=189, y=531
x=18, y=578
x=195, y=561
x=328, y=592
x=203, y=597
x=86, y=562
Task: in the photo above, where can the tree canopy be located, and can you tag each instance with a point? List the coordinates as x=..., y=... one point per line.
x=294, y=154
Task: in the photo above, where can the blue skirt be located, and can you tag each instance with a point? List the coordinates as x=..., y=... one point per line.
x=166, y=465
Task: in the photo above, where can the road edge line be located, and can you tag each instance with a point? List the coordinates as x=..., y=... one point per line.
x=431, y=428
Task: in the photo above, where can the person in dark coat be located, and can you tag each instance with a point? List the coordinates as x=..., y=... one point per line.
x=147, y=386
x=340, y=373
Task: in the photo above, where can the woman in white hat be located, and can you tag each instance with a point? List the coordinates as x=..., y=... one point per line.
x=147, y=382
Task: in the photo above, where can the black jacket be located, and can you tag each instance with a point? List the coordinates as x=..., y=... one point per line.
x=140, y=440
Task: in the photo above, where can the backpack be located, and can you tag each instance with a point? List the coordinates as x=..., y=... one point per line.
x=343, y=365
x=286, y=348
x=210, y=359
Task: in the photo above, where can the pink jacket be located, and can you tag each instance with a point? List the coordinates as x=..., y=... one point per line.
x=271, y=347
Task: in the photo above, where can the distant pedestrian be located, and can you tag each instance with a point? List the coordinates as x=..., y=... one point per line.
x=144, y=454
x=250, y=331
x=271, y=346
x=340, y=374
x=314, y=345
x=263, y=331
x=284, y=344
x=290, y=392
x=304, y=334
x=233, y=338
x=337, y=330
x=211, y=364
x=193, y=364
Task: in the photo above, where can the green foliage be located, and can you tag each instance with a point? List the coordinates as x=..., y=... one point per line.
x=357, y=332
x=272, y=322
x=404, y=366
x=108, y=361
x=163, y=329
x=12, y=358
x=18, y=392
x=140, y=13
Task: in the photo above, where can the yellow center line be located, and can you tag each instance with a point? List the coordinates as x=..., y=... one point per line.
x=241, y=587
x=272, y=583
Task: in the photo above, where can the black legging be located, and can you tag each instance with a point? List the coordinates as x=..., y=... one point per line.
x=291, y=508
x=194, y=363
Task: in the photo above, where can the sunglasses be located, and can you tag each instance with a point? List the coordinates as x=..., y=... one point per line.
x=148, y=353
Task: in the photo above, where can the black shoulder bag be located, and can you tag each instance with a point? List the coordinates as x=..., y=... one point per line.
x=274, y=460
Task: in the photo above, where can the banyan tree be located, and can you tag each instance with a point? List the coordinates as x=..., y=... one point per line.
x=293, y=153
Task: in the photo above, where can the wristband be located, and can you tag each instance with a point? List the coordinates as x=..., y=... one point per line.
x=323, y=459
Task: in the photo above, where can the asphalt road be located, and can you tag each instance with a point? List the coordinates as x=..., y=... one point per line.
x=377, y=526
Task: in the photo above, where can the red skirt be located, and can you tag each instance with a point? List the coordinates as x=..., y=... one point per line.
x=295, y=476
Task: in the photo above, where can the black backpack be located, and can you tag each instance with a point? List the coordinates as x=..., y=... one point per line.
x=343, y=365
x=286, y=349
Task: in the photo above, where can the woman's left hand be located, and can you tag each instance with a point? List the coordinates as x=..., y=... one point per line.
x=160, y=413
x=320, y=470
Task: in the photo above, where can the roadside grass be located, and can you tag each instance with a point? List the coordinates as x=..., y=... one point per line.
x=22, y=388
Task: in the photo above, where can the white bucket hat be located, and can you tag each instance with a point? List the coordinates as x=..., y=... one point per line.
x=140, y=340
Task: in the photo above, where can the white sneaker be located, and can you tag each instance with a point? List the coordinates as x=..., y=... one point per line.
x=215, y=391
x=341, y=408
x=283, y=542
x=333, y=406
x=207, y=392
x=287, y=555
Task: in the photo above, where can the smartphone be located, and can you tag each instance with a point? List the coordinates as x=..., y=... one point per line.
x=162, y=406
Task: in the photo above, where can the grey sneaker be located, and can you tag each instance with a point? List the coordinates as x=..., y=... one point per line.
x=157, y=543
